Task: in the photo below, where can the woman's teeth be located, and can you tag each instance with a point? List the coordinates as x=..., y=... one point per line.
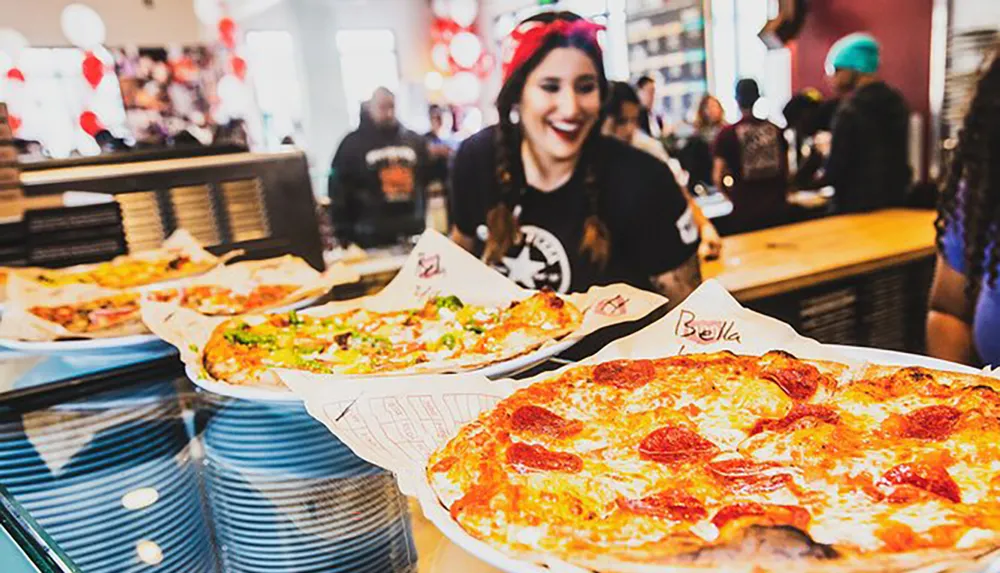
x=565, y=129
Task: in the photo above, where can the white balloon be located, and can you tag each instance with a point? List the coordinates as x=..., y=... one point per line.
x=463, y=12
x=433, y=81
x=209, y=12
x=465, y=49
x=462, y=88
x=83, y=26
x=440, y=8
x=12, y=42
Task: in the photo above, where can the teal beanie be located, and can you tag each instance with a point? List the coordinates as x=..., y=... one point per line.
x=858, y=52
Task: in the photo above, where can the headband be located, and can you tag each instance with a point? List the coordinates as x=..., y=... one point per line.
x=529, y=36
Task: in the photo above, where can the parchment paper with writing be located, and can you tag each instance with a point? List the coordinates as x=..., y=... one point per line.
x=396, y=423
x=436, y=266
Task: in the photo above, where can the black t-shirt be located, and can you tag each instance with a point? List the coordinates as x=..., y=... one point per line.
x=651, y=226
x=756, y=155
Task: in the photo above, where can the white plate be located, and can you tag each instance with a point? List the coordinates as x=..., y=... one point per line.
x=105, y=344
x=498, y=370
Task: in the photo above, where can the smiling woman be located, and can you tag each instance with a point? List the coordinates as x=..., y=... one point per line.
x=551, y=202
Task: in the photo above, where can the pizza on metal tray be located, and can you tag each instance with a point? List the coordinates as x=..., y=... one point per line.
x=443, y=335
x=719, y=461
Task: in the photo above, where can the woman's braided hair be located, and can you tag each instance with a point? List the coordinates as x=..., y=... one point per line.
x=975, y=164
x=500, y=220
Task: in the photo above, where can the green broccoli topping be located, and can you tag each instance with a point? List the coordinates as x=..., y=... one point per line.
x=450, y=302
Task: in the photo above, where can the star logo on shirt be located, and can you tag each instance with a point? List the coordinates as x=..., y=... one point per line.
x=522, y=268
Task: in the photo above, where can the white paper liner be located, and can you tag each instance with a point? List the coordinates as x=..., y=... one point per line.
x=396, y=423
x=437, y=266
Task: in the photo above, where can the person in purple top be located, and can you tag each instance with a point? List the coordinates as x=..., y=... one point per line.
x=963, y=324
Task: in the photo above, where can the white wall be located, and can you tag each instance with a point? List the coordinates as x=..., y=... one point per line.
x=127, y=21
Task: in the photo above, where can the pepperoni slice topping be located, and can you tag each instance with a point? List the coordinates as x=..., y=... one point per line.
x=769, y=514
x=896, y=484
x=674, y=444
x=625, y=374
x=526, y=457
x=931, y=423
x=538, y=420
x=672, y=504
x=798, y=412
x=798, y=380
x=747, y=476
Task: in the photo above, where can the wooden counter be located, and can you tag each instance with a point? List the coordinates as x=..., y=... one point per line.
x=783, y=259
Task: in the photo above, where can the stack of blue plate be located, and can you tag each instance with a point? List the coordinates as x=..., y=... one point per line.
x=286, y=495
x=110, y=479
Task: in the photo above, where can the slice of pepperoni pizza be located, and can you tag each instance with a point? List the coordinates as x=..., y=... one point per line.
x=725, y=461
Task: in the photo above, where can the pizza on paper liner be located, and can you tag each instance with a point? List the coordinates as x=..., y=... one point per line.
x=180, y=256
x=736, y=463
x=349, y=338
x=253, y=286
x=73, y=311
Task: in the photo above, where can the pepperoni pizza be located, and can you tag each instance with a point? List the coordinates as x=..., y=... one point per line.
x=734, y=462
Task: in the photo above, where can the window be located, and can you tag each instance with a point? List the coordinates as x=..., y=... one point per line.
x=737, y=53
x=367, y=60
x=276, y=85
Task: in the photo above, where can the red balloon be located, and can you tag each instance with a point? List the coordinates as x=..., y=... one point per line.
x=15, y=75
x=442, y=30
x=239, y=66
x=90, y=123
x=227, y=32
x=15, y=123
x=93, y=70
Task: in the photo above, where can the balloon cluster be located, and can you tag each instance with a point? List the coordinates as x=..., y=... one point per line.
x=85, y=29
x=458, y=57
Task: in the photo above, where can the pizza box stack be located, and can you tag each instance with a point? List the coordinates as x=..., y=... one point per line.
x=397, y=423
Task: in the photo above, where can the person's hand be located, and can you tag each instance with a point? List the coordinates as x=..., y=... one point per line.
x=711, y=243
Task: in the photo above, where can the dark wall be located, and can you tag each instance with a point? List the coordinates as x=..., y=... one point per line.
x=903, y=27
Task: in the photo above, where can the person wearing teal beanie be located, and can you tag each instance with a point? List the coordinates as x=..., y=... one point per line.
x=853, y=59
x=868, y=165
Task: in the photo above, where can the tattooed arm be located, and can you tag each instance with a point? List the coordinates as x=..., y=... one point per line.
x=680, y=282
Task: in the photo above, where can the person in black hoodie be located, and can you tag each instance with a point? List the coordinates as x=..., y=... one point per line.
x=377, y=179
x=868, y=164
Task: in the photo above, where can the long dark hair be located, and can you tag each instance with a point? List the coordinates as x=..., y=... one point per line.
x=503, y=228
x=976, y=165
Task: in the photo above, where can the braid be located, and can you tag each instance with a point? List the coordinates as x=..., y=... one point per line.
x=973, y=164
x=503, y=228
x=596, y=240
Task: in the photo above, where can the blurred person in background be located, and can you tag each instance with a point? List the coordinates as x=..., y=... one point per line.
x=964, y=319
x=621, y=121
x=649, y=121
x=438, y=148
x=548, y=200
x=377, y=179
x=710, y=118
x=696, y=155
x=867, y=164
x=751, y=167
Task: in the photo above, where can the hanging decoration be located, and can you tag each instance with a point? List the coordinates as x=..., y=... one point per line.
x=15, y=75
x=239, y=66
x=12, y=42
x=93, y=70
x=90, y=123
x=227, y=32
x=14, y=121
x=458, y=57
